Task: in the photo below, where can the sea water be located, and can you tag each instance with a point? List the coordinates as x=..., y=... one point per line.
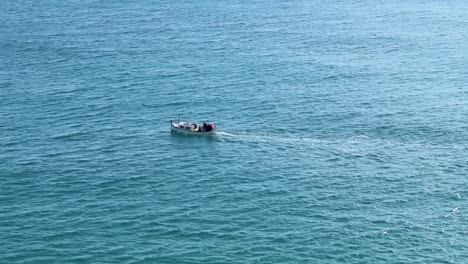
x=343, y=131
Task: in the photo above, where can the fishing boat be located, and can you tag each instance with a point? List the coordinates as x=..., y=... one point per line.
x=193, y=128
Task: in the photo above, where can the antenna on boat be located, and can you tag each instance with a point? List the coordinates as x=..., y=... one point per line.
x=178, y=120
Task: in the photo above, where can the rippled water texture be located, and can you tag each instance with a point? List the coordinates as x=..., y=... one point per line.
x=343, y=124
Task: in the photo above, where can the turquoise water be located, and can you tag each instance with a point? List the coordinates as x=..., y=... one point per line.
x=343, y=131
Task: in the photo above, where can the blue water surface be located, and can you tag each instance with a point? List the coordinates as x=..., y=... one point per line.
x=343, y=131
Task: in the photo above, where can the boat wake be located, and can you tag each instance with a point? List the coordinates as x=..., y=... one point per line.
x=350, y=144
x=264, y=138
x=225, y=134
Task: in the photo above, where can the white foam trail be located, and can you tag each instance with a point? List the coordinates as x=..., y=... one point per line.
x=224, y=134
x=265, y=138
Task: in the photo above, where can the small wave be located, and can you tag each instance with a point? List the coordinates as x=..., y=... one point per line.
x=70, y=136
